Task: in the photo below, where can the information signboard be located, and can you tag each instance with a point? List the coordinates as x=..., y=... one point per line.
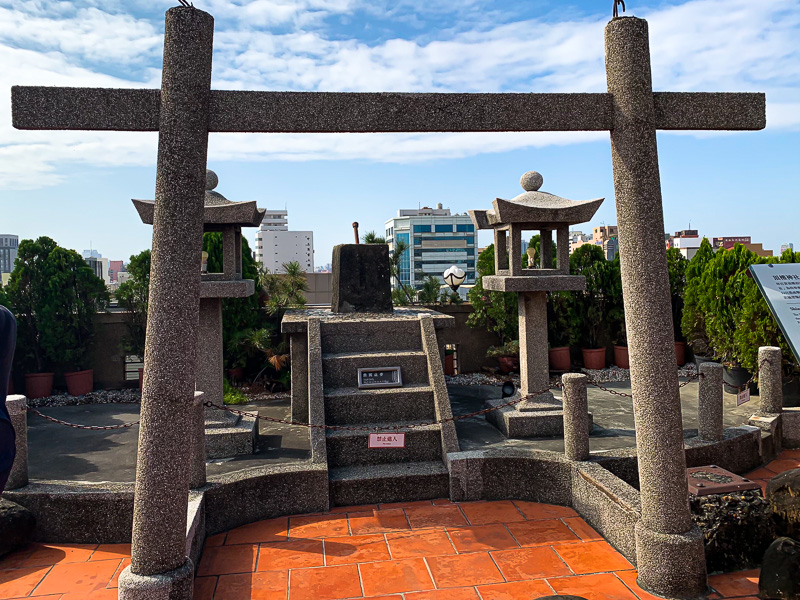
x=379, y=377
x=780, y=285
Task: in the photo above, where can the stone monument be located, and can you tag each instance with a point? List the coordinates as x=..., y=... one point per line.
x=541, y=414
x=226, y=434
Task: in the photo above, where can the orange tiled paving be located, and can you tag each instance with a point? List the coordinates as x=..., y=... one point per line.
x=436, y=550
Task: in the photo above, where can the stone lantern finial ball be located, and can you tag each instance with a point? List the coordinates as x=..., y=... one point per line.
x=211, y=179
x=531, y=181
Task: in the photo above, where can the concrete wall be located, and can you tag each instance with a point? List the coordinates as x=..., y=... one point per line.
x=472, y=343
x=320, y=288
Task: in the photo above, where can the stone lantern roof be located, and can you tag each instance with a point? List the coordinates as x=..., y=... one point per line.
x=218, y=211
x=535, y=210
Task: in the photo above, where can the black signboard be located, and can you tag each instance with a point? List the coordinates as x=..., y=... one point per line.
x=379, y=377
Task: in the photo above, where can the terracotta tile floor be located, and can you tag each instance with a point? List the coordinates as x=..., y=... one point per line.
x=432, y=550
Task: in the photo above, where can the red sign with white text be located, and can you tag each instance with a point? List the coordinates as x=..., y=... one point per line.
x=387, y=440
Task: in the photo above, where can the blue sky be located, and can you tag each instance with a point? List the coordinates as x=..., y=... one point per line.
x=76, y=186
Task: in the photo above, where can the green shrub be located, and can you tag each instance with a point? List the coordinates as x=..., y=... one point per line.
x=676, y=266
x=56, y=296
x=133, y=295
x=590, y=315
x=232, y=395
x=508, y=349
x=494, y=311
x=692, y=323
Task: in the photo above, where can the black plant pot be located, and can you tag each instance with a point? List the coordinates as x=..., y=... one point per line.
x=791, y=391
x=698, y=360
x=734, y=379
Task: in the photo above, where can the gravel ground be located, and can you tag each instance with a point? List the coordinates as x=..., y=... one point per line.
x=612, y=373
x=129, y=396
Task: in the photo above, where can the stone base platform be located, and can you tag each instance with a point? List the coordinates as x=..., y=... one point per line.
x=514, y=423
x=229, y=435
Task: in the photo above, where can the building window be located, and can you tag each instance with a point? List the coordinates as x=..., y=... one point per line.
x=422, y=228
x=465, y=227
x=443, y=228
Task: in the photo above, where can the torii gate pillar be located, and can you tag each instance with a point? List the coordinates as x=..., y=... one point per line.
x=669, y=547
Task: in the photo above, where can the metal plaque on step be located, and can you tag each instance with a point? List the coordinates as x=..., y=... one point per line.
x=379, y=377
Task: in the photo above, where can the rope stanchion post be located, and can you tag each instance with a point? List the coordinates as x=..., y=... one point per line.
x=17, y=406
x=709, y=407
x=769, y=380
x=576, y=416
x=197, y=461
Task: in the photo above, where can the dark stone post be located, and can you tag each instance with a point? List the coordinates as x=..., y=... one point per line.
x=669, y=548
x=576, y=416
x=18, y=411
x=709, y=405
x=159, y=565
x=770, y=380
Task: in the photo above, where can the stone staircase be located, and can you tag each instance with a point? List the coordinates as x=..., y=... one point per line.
x=358, y=474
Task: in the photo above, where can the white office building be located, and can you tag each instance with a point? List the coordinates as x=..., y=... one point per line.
x=276, y=245
x=436, y=240
x=9, y=243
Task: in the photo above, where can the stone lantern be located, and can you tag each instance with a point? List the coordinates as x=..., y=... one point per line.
x=226, y=434
x=532, y=210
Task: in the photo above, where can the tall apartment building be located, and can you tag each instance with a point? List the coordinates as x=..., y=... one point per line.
x=436, y=240
x=604, y=236
x=687, y=241
x=8, y=251
x=276, y=245
x=115, y=267
x=785, y=247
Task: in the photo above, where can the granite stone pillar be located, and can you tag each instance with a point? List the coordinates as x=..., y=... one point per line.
x=533, y=356
x=770, y=384
x=18, y=411
x=298, y=348
x=669, y=548
x=709, y=407
x=209, y=351
x=159, y=565
x=562, y=250
x=545, y=249
x=197, y=463
x=515, y=249
x=500, y=250
x=576, y=416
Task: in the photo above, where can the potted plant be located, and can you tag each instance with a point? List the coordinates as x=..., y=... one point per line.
x=559, y=330
x=692, y=321
x=676, y=265
x=507, y=355
x=133, y=296
x=69, y=318
x=591, y=308
x=266, y=342
x=28, y=293
x=720, y=301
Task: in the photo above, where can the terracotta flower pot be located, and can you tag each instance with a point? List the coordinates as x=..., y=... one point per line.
x=508, y=363
x=680, y=353
x=38, y=385
x=79, y=383
x=621, y=357
x=559, y=359
x=594, y=358
x=236, y=374
x=449, y=365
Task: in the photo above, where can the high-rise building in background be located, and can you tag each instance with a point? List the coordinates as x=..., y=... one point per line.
x=9, y=243
x=115, y=267
x=276, y=245
x=686, y=241
x=785, y=247
x=100, y=266
x=436, y=240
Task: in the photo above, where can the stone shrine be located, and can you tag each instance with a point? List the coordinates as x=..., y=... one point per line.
x=226, y=434
x=541, y=414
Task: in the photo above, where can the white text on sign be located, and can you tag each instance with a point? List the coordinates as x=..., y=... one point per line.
x=387, y=440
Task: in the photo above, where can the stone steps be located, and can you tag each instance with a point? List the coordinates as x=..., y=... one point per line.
x=352, y=406
x=374, y=336
x=347, y=448
x=341, y=369
x=395, y=482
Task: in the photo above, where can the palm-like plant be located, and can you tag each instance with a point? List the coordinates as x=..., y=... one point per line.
x=372, y=238
x=429, y=294
x=282, y=290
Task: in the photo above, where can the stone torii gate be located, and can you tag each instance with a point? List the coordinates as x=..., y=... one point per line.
x=669, y=549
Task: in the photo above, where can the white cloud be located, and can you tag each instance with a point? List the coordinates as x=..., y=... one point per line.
x=701, y=45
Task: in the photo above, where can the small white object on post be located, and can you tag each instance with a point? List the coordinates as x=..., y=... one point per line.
x=454, y=277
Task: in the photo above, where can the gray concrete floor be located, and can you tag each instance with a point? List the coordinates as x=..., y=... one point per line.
x=63, y=453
